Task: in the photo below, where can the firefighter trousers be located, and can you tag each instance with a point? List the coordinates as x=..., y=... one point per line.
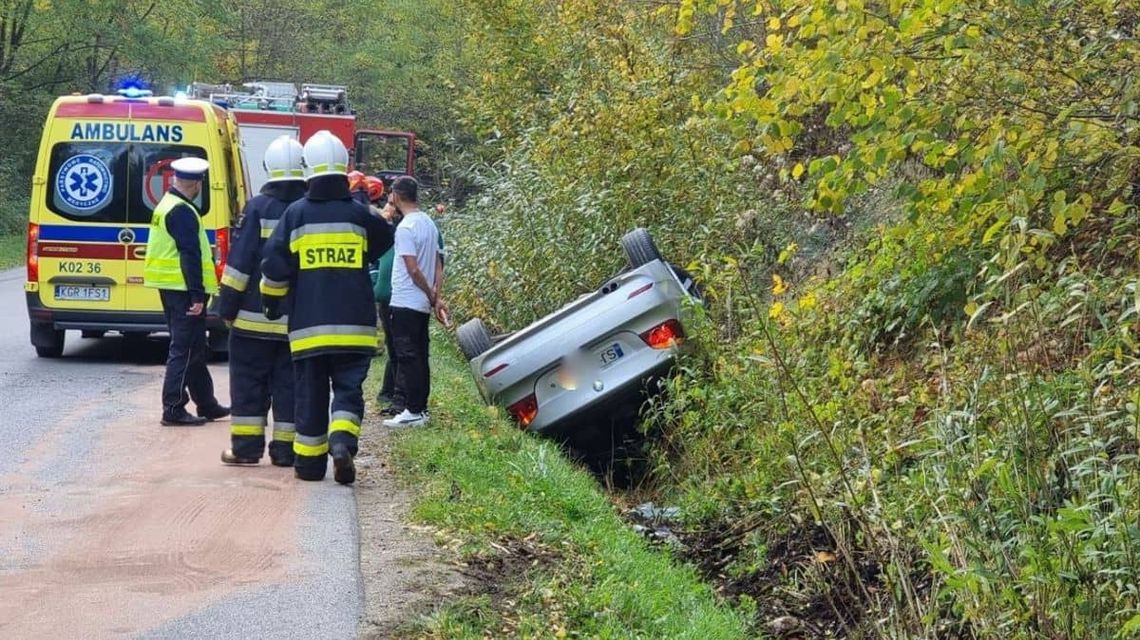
x=261, y=376
x=344, y=374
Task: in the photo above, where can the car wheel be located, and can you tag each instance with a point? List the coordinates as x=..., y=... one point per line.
x=47, y=341
x=474, y=338
x=639, y=248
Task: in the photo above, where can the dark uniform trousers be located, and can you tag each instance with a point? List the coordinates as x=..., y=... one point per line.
x=186, y=362
x=315, y=434
x=261, y=376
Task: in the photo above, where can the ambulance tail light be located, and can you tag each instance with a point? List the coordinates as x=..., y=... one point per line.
x=525, y=410
x=221, y=251
x=33, y=252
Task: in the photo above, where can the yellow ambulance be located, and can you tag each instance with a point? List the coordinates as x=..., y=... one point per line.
x=103, y=165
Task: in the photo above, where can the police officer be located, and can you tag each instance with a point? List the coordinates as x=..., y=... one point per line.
x=180, y=264
x=319, y=255
x=261, y=367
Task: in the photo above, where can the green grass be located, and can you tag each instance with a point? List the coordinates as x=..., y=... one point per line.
x=481, y=482
x=11, y=251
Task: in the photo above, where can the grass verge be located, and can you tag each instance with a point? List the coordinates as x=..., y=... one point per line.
x=11, y=251
x=550, y=555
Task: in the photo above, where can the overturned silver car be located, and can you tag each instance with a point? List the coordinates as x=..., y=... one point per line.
x=593, y=358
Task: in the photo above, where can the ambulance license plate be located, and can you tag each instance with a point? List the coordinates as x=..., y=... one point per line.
x=82, y=294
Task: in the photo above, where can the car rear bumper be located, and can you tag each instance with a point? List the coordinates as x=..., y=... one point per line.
x=624, y=399
x=92, y=320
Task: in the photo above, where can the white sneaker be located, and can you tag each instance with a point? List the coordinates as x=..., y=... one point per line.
x=407, y=419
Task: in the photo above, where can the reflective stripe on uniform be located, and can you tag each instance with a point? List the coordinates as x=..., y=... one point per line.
x=234, y=279
x=338, y=167
x=329, y=231
x=247, y=425
x=311, y=446
x=284, y=431
x=345, y=421
x=332, y=335
x=267, y=227
x=254, y=321
x=273, y=287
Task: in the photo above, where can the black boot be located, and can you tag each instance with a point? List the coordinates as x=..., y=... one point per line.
x=215, y=412
x=344, y=470
x=181, y=418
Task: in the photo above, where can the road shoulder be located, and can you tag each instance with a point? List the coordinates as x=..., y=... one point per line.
x=403, y=572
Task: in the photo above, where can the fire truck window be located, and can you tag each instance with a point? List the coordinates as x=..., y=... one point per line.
x=88, y=181
x=382, y=154
x=152, y=176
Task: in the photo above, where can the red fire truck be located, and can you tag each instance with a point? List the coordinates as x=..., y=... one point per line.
x=266, y=110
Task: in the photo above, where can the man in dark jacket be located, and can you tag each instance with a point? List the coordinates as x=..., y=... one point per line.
x=319, y=255
x=180, y=264
x=261, y=367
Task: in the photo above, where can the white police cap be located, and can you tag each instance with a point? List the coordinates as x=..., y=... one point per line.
x=189, y=168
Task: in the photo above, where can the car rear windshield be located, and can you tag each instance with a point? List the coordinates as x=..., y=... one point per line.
x=114, y=182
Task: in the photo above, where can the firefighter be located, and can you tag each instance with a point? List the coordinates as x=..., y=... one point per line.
x=319, y=255
x=180, y=264
x=261, y=367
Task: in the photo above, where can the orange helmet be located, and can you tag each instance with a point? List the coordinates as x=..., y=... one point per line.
x=375, y=188
x=355, y=180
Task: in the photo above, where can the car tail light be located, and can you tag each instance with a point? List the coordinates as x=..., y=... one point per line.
x=33, y=258
x=525, y=410
x=221, y=251
x=666, y=335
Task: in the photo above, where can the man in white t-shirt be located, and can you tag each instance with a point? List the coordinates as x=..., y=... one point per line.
x=417, y=276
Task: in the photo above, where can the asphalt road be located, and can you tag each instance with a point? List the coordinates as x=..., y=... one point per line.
x=113, y=526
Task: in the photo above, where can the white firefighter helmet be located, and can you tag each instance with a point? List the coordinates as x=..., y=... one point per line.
x=283, y=160
x=325, y=155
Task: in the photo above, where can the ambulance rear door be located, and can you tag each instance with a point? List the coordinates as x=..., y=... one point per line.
x=81, y=209
x=162, y=134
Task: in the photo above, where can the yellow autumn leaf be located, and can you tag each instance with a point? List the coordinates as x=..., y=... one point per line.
x=798, y=170
x=778, y=285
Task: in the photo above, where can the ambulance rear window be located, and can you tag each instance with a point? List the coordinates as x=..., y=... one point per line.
x=87, y=181
x=114, y=182
x=152, y=164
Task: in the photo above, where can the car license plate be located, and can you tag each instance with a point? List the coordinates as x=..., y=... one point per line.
x=82, y=294
x=611, y=354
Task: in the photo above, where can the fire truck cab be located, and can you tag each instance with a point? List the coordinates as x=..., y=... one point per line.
x=266, y=110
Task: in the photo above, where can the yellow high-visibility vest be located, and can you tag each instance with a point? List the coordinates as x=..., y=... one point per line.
x=163, y=266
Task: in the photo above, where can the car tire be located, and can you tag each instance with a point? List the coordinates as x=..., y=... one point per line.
x=639, y=248
x=474, y=338
x=48, y=341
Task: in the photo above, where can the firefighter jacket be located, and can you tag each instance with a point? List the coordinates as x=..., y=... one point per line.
x=319, y=255
x=178, y=255
x=240, y=300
